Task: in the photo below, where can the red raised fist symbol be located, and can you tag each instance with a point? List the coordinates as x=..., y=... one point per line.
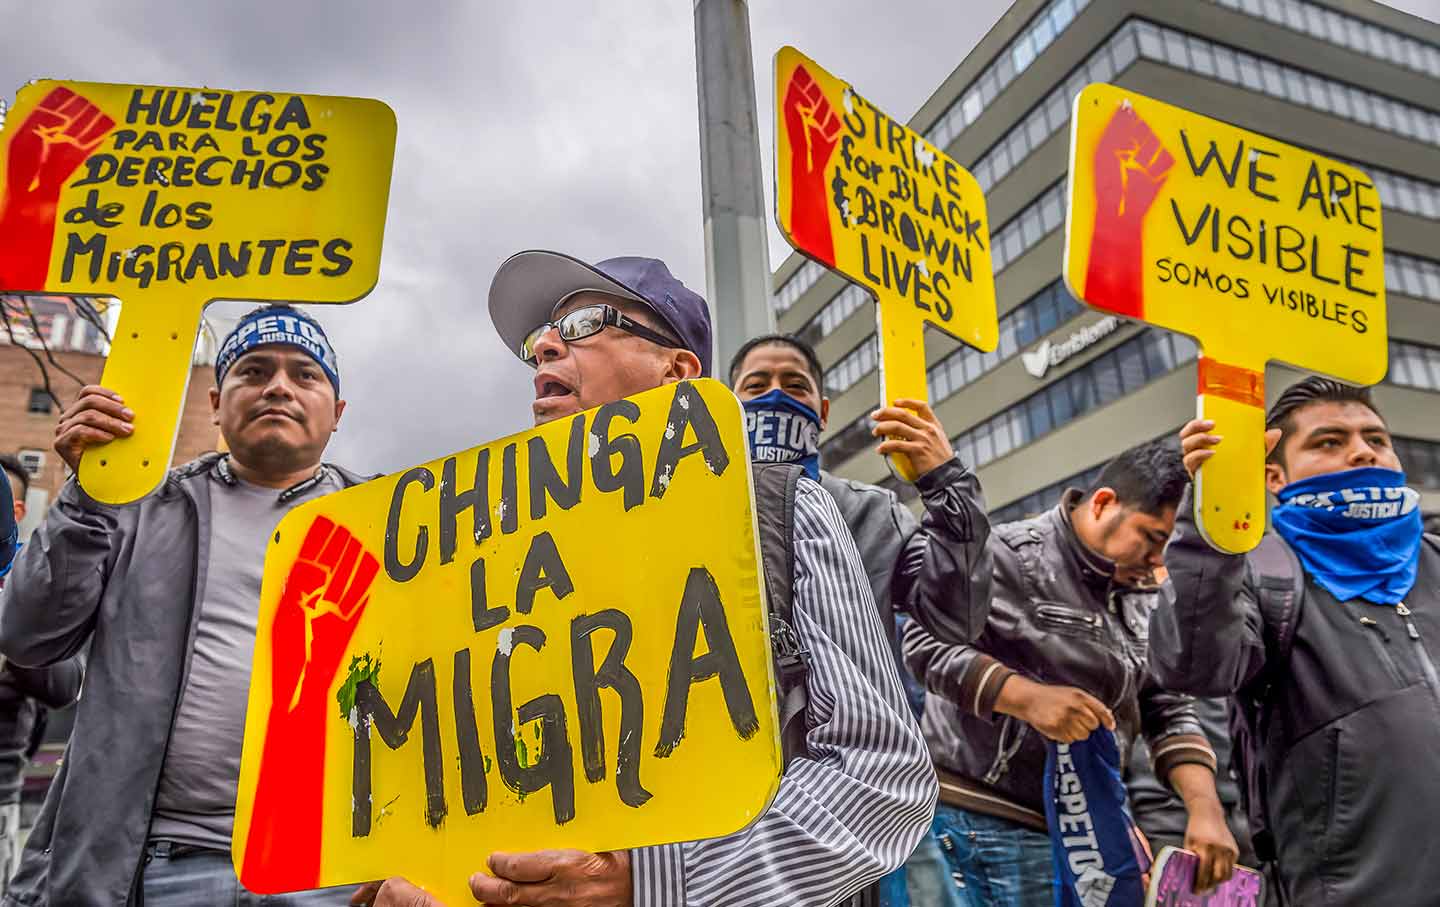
x=43, y=151
x=1130, y=167
x=813, y=130
x=324, y=596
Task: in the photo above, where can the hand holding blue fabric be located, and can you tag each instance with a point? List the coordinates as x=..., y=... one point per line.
x=1092, y=836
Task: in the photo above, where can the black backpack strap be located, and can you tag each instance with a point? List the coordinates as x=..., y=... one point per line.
x=1280, y=590
x=775, y=490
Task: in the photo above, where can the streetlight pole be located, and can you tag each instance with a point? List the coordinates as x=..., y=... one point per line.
x=737, y=261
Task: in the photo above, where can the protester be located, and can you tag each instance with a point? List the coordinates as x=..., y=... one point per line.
x=25, y=693
x=1062, y=654
x=854, y=804
x=779, y=379
x=165, y=594
x=1323, y=634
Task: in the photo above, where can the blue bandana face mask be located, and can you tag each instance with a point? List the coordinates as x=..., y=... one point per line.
x=783, y=430
x=1357, y=532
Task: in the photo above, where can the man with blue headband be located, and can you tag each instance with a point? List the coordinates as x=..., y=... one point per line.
x=1327, y=635
x=164, y=595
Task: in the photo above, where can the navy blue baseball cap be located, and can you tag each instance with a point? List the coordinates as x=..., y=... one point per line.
x=528, y=287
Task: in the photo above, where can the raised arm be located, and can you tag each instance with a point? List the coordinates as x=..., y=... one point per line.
x=1206, y=637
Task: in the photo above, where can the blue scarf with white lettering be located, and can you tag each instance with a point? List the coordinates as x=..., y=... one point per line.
x=783, y=430
x=1098, y=862
x=1357, y=532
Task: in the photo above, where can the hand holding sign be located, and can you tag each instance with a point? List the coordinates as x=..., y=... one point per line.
x=864, y=194
x=169, y=198
x=1257, y=249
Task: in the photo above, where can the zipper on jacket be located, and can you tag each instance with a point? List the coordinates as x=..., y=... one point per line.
x=1004, y=754
x=1426, y=664
x=1379, y=642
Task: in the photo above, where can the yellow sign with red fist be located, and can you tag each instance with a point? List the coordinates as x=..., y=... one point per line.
x=169, y=198
x=559, y=639
x=866, y=195
x=1257, y=249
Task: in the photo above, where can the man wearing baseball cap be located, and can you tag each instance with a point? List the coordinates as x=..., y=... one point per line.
x=854, y=802
x=165, y=595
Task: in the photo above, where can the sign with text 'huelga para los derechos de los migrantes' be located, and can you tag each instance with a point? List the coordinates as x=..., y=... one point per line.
x=1257, y=249
x=558, y=639
x=169, y=198
x=865, y=195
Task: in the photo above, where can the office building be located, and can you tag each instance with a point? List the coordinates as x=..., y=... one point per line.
x=1068, y=387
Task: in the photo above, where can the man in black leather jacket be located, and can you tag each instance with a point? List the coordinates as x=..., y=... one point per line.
x=1347, y=730
x=1063, y=653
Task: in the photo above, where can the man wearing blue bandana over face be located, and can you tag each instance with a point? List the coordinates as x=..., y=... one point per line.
x=779, y=379
x=1327, y=635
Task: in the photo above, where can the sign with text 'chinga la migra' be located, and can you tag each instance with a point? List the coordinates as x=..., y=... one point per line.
x=170, y=198
x=1257, y=249
x=558, y=639
x=866, y=195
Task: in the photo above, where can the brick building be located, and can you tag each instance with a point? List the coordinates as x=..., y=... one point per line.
x=27, y=414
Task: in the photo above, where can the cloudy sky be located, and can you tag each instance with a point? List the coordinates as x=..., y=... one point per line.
x=521, y=125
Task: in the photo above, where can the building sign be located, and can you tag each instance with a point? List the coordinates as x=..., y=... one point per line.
x=169, y=198
x=863, y=194
x=1257, y=249
x=558, y=639
x=1048, y=355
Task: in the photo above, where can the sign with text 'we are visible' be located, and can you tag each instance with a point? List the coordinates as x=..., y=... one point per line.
x=1257, y=249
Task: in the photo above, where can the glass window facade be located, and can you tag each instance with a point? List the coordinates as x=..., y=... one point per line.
x=1013, y=59
x=1138, y=39
x=791, y=290
x=853, y=366
x=1020, y=327
x=1359, y=35
x=1147, y=356
x=1414, y=365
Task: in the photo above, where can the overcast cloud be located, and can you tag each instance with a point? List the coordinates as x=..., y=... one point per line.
x=566, y=125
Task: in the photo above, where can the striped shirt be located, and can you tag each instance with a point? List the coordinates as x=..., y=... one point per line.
x=856, y=806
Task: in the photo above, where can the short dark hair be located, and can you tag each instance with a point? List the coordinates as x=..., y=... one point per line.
x=812, y=361
x=11, y=464
x=1307, y=392
x=1149, y=478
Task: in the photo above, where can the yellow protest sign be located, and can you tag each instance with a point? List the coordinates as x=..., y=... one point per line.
x=169, y=198
x=558, y=639
x=1257, y=249
x=865, y=195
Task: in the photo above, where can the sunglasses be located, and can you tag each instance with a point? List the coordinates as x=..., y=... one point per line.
x=587, y=321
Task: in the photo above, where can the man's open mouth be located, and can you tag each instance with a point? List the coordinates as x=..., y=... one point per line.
x=548, y=387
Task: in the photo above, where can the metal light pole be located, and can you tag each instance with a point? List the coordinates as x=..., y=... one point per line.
x=737, y=260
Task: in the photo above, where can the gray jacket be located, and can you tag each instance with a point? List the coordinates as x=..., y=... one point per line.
x=1351, y=738
x=124, y=581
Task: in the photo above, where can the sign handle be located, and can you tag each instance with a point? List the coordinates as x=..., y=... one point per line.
x=902, y=364
x=149, y=367
x=1230, y=503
